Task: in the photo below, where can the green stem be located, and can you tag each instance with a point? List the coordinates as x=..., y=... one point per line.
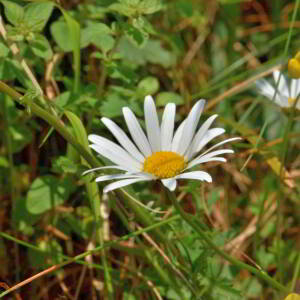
x=259, y=273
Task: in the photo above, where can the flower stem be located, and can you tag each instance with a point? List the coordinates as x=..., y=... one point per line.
x=259, y=273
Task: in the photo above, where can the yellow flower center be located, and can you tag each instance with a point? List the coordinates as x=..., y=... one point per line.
x=164, y=164
x=291, y=101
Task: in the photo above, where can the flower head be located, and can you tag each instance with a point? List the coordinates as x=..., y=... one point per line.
x=161, y=153
x=294, y=66
x=285, y=95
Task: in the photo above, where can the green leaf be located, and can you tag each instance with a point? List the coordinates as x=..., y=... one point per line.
x=148, y=86
x=74, y=31
x=37, y=14
x=119, y=71
x=63, y=164
x=60, y=33
x=149, y=6
x=91, y=186
x=105, y=42
x=21, y=136
x=152, y=52
x=22, y=218
x=166, y=97
x=13, y=12
x=93, y=32
x=3, y=50
x=47, y=192
x=113, y=105
x=135, y=34
x=41, y=47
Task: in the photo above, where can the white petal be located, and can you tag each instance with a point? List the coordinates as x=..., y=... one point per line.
x=177, y=136
x=283, y=87
x=167, y=127
x=114, y=153
x=210, y=135
x=123, y=139
x=122, y=183
x=204, y=158
x=169, y=183
x=198, y=175
x=136, y=132
x=267, y=90
x=152, y=124
x=221, y=143
x=215, y=158
x=199, y=136
x=190, y=127
x=120, y=176
x=107, y=167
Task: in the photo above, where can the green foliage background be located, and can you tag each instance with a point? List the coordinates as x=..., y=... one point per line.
x=64, y=65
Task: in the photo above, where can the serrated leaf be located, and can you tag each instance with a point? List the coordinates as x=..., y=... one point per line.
x=41, y=47
x=94, y=31
x=47, y=192
x=13, y=12
x=37, y=14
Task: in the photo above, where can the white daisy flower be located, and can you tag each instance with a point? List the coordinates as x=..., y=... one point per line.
x=160, y=154
x=286, y=95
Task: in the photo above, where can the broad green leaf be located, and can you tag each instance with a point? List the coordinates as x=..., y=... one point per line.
x=13, y=12
x=105, y=42
x=37, y=14
x=93, y=32
x=152, y=52
x=113, y=105
x=135, y=34
x=74, y=31
x=166, y=97
x=119, y=71
x=91, y=185
x=41, y=47
x=149, y=6
x=60, y=33
x=21, y=136
x=3, y=50
x=148, y=86
x=47, y=192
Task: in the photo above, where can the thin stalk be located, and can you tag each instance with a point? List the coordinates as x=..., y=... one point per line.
x=12, y=183
x=296, y=274
x=202, y=234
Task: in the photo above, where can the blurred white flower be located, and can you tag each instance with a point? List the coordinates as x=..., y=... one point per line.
x=162, y=154
x=286, y=95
